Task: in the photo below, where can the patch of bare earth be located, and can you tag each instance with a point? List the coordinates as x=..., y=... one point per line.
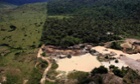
x=134, y=64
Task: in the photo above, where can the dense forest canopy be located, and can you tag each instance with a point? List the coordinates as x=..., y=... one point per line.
x=92, y=21
x=118, y=7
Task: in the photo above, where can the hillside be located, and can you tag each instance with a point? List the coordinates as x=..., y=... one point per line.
x=20, y=31
x=63, y=42
x=26, y=21
x=6, y=6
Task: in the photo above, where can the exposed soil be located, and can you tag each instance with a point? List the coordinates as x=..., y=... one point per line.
x=47, y=59
x=131, y=46
x=131, y=62
x=73, y=50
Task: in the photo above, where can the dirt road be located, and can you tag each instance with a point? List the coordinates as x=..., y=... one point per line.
x=47, y=59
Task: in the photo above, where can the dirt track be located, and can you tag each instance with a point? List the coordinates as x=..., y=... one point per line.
x=44, y=76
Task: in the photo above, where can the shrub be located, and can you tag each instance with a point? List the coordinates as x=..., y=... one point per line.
x=19, y=48
x=18, y=53
x=117, y=72
x=111, y=67
x=43, y=54
x=33, y=46
x=54, y=65
x=106, y=57
x=79, y=75
x=116, y=45
x=69, y=56
x=39, y=45
x=100, y=70
x=116, y=61
x=13, y=27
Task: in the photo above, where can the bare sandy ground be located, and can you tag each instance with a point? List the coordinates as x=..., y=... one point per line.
x=127, y=60
x=84, y=63
x=102, y=49
x=120, y=64
x=134, y=56
x=132, y=63
x=88, y=62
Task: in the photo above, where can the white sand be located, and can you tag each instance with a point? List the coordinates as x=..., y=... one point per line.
x=101, y=49
x=120, y=64
x=134, y=56
x=84, y=63
x=88, y=62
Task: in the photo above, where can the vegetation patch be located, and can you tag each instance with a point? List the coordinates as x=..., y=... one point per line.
x=78, y=75
x=35, y=76
x=100, y=70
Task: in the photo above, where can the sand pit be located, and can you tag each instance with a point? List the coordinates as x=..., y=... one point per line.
x=84, y=63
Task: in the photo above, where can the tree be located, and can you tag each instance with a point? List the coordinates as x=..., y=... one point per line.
x=116, y=45
x=100, y=70
x=43, y=54
x=13, y=27
x=111, y=67
x=117, y=72
x=116, y=61
x=69, y=41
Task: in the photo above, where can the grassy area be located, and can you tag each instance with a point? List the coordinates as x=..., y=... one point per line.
x=77, y=77
x=18, y=65
x=20, y=31
x=59, y=16
x=28, y=21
